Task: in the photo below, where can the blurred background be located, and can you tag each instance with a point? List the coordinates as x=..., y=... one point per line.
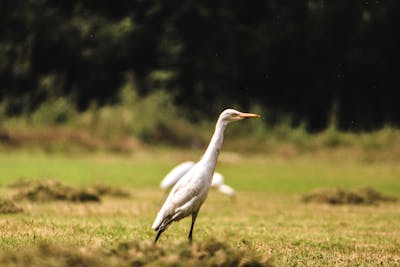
x=99, y=100
x=116, y=74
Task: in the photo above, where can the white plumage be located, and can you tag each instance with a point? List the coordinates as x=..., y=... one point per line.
x=218, y=182
x=175, y=174
x=181, y=169
x=189, y=193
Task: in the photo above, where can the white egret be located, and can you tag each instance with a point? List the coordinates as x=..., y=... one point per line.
x=181, y=169
x=189, y=193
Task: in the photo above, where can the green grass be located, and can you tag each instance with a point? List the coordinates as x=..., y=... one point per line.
x=81, y=170
x=267, y=218
x=244, y=172
x=299, y=175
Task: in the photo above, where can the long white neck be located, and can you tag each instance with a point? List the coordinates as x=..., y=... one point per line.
x=211, y=155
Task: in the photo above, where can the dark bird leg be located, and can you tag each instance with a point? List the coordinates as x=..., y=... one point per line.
x=194, y=216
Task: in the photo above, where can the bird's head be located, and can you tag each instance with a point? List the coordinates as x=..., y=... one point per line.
x=230, y=115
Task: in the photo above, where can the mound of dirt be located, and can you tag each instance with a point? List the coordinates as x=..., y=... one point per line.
x=106, y=190
x=7, y=206
x=50, y=190
x=335, y=196
x=211, y=253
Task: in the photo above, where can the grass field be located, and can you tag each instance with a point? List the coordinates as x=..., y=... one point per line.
x=267, y=221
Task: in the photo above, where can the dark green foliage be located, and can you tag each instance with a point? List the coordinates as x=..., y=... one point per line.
x=297, y=58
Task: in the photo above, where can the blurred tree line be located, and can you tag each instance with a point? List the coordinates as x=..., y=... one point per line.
x=304, y=59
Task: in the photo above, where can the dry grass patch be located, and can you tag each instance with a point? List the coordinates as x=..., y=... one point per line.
x=50, y=190
x=364, y=195
x=100, y=189
x=211, y=253
x=49, y=255
x=107, y=190
x=8, y=206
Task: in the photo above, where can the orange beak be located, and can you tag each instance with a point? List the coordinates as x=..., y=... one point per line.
x=248, y=115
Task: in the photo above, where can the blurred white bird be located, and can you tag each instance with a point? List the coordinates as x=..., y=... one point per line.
x=189, y=193
x=180, y=170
